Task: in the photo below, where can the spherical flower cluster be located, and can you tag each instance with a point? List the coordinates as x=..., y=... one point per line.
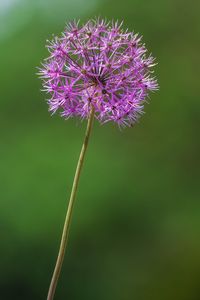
x=100, y=65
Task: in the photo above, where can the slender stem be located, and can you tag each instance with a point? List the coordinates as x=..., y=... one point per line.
x=65, y=233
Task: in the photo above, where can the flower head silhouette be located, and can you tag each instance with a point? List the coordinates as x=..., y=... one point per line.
x=101, y=66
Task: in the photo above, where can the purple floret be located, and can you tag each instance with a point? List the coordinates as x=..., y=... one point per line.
x=100, y=65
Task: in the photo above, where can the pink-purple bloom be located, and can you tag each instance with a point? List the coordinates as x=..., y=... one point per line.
x=101, y=65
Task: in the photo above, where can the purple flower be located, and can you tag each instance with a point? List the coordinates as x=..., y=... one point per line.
x=100, y=65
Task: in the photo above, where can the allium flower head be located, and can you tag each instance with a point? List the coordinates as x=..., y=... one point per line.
x=100, y=65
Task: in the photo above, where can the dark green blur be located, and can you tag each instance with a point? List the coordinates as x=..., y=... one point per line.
x=136, y=224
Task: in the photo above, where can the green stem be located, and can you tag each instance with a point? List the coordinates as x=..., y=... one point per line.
x=65, y=233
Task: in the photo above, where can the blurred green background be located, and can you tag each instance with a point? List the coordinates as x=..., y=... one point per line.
x=136, y=225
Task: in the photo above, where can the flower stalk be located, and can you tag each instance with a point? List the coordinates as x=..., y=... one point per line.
x=65, y=232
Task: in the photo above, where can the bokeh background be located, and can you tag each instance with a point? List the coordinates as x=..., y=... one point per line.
x=136, y=225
